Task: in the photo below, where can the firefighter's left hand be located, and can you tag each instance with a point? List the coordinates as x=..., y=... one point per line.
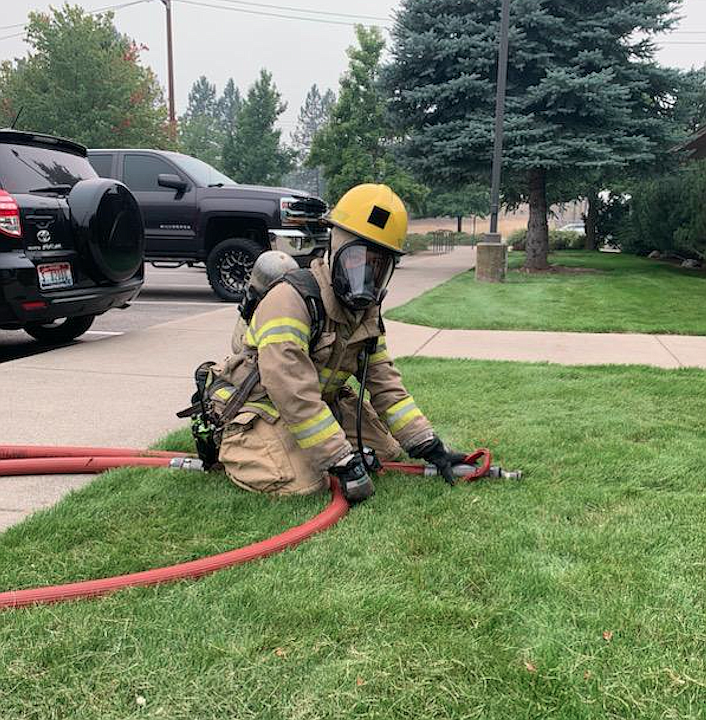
x=435, y=452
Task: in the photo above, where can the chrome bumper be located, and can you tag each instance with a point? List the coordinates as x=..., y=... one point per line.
x=297, y=242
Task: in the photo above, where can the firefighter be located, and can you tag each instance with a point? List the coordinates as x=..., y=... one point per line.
x=298, y=423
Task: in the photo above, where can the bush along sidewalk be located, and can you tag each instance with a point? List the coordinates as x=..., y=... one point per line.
x=558, y=240
x=574, y=594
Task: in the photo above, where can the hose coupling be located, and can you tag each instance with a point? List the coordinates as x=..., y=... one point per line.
x=186, y=463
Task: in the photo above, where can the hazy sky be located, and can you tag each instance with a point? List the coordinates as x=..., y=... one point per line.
x=223, y=43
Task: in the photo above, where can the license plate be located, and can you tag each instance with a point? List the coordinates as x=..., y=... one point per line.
x=56, y=275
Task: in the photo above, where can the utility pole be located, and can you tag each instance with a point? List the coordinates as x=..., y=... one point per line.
x=491, y=255
x=170, y=68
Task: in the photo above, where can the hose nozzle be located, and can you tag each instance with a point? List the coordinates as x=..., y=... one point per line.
x=495, y=472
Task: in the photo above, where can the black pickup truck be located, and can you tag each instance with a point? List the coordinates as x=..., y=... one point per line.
x=195, y=214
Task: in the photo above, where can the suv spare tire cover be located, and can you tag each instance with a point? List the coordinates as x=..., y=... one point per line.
x=107, y=225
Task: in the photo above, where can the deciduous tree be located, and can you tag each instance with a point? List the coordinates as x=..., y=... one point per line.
x=82, y=79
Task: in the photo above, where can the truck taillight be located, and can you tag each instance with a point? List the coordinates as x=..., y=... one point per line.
x=9, y=215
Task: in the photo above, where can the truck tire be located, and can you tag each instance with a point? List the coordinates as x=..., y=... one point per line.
x=60, y=331
x=229, y=265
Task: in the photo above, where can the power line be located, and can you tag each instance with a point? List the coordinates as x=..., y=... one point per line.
x=268, y=14
x=7, y=37
x=119, y=6
x=307, y=10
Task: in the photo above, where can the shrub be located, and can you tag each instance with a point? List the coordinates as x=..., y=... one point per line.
x=416, y=243
x=668, y=214
x=558, y=240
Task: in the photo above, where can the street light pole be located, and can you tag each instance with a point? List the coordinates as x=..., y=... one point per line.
x=499, y=116
x=170, y=66
x=491, y=255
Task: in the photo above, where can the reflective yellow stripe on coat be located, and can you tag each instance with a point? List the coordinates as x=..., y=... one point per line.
x=338, y=380
x=278, y=330
x=315, y=431
x=380, y=354
x=402, y=413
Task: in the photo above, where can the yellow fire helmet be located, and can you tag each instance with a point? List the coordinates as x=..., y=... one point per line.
x=374, y=213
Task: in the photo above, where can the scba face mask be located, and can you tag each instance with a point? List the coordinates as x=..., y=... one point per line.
x=360, y=275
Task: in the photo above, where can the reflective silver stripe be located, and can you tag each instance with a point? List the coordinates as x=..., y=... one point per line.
x=399, y=411
x=282, y=329
x=315, y=429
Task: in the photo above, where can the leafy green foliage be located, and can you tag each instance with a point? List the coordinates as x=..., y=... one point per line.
x=667, y=213
x=558, y=240
x=598, y=292
x=83, y=80
x=575, y=595
x=418, y=242
x=256, y=154
x=584, y=92
x=472, y=199
x=355, y=145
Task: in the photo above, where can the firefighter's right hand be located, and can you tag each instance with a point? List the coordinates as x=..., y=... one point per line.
x=356, y=484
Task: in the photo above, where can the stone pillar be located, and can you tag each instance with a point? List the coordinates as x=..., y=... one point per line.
x=491, y=259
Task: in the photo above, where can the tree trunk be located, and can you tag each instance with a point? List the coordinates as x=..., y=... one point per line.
x=538, y=227
x=591, y=220
x=459, y=223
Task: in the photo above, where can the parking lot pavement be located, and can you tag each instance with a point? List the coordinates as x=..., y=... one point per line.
x=168, y=294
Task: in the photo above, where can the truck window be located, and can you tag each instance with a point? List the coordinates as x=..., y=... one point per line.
x=102, y=164
x=140, y=173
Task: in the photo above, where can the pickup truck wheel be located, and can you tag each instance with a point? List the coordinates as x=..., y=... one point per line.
x=229, y=266
x=60, y=331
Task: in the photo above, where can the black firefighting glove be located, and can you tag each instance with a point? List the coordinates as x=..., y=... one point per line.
x=436, y=453
x=356, y=484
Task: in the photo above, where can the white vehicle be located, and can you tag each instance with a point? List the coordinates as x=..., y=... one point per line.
x=577, y=227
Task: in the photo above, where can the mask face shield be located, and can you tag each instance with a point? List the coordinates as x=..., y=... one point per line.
x=360, y=275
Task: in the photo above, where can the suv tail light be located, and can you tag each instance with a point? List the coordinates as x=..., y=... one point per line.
x=9, y=215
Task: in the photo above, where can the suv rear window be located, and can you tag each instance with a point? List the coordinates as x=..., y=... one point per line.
x=25, y=167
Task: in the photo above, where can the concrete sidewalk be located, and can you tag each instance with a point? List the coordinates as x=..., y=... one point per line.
x=665, y=351
x=124, y=391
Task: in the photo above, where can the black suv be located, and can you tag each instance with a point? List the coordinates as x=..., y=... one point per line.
x=71, y=243
x=195, y=214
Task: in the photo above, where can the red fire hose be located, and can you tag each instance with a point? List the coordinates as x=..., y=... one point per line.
x=42, y=460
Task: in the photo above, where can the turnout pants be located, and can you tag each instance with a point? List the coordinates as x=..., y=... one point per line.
x=261, y=455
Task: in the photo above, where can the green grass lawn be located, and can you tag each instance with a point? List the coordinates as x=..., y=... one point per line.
x=626, y=294
x=578, y=593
